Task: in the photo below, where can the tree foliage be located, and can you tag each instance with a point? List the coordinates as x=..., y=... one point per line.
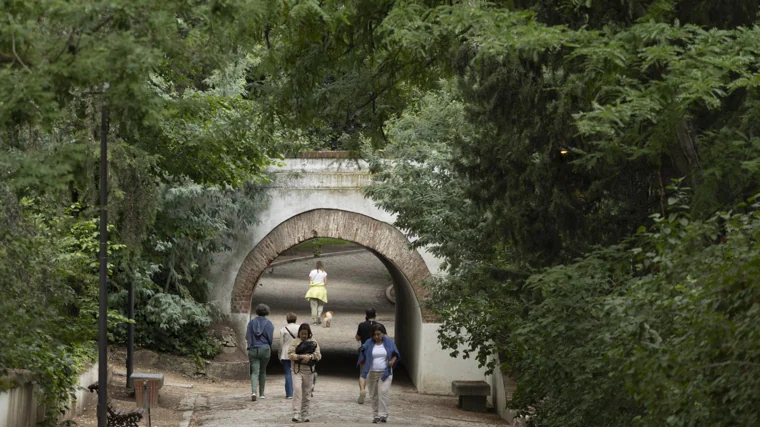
x=572, y=122
x=526, y=143
x=187, y=155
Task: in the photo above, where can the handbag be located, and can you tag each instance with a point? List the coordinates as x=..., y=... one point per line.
x=291, y=333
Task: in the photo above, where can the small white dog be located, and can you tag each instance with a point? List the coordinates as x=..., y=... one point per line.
x=327, y=319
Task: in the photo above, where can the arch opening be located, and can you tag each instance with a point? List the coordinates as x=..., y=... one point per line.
x=402, y=266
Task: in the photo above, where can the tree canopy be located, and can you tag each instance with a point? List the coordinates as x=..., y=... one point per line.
x=592, y=165
x=586, y=169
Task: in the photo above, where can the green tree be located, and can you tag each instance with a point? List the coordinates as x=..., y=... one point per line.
x=180, y=130
x=580, y=116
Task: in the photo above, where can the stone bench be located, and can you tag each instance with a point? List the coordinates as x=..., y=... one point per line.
x=472, y=395
x=154, y=382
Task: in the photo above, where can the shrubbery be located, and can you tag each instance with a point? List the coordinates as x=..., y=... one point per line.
x=49, y=296
x=663, y=329
x=169, y=323
x=186, y=154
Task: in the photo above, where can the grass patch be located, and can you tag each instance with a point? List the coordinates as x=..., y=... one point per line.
x=322, y=241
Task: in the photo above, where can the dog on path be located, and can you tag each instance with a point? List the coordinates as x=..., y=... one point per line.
x=327, y=319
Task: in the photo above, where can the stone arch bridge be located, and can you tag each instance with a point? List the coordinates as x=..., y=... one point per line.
x=320, y=195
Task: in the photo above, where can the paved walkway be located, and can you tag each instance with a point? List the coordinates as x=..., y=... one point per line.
x=334, y=404
x=355, y=281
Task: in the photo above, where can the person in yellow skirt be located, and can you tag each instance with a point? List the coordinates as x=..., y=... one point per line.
x=317, y=294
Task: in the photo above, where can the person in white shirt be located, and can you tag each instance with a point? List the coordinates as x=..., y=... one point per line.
x=287, y=334
x=317, y=294
x=379, y=356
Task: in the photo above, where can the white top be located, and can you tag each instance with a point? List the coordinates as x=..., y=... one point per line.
x=379, y=358
x=285, y=339
x=317, y=276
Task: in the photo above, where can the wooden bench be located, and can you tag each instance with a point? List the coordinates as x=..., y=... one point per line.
x=120, y=417
x=472, y=394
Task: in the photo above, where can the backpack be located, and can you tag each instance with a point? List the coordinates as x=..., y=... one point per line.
x=307, y=347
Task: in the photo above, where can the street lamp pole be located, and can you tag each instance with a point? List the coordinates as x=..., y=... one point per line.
x=103, y=295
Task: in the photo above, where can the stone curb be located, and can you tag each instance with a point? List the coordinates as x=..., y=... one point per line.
x=331, y=254
x=187, y=414
x=388, y=295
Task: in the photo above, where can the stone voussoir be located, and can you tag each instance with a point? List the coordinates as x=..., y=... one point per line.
x=378, y=236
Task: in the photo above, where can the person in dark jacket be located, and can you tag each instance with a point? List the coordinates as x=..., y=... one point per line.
x=259, y=336
x=379, y=356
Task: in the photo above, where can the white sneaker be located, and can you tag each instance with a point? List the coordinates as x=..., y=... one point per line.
x=262, y=397
x=290, y=397
x=253, y=397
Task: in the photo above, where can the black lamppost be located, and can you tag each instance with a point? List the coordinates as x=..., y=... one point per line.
x=103, y=295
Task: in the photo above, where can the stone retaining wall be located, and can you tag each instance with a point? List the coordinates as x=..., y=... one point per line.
x=19, y=406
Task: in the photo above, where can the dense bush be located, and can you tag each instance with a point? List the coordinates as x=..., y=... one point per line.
x=186, y=154
x=660, y=330
x=556, y=136
x=49, y=296
x=170, y=323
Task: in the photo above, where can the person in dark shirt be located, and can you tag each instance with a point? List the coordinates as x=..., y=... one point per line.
x=364, y=333
x=259, y=335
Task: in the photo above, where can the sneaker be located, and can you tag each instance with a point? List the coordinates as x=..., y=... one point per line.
x=304, y=418
x=375, y=420
x=289, y=397
x=296, y=420
x=362, y=395
x=253, y=397
x=262, y=397
x=383, y=419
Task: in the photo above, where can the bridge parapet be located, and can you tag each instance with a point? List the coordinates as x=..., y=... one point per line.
x=321, y=173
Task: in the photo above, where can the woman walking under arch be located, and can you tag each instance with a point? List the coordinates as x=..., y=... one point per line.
x=317, y=294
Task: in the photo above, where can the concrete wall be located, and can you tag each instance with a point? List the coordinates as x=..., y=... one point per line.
x=19, y=407
x=299, y=186
x=408, y=323
x=303, y=185
x=82, y=397
x=502, y=388
x=439, y=369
